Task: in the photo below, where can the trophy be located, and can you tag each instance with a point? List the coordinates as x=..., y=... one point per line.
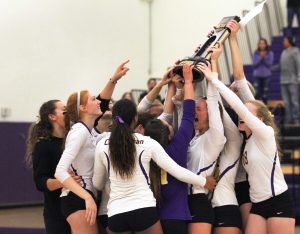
x=202, y=55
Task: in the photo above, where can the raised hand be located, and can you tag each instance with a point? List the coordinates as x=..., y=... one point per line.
x=187, y=74
x=234, y=27
x=120, y=71
x=206, y=70
x=167, y=77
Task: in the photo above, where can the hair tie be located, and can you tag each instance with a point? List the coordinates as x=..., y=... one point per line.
x=270, y=113
x=119, y=119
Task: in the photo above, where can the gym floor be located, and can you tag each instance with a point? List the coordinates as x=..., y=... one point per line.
x=31, y=217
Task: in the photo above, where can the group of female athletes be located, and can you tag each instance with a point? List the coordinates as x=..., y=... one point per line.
x=206, y=164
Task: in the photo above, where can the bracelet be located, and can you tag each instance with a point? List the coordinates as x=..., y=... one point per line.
x=113, y=81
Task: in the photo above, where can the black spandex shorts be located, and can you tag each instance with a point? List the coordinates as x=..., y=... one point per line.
x=134, y=221
x=228, y=216
x=174, y=226
x=242, y=192
x=102, y=221
x=72, y=203
x=200, y=208
x=281, y=205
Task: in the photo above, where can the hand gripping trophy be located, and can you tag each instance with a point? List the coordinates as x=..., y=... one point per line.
x=202, y=55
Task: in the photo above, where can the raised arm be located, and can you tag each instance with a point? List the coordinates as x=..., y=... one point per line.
x=146, y=102
x=167, y=115
x=151, y=96
x=237, y=63
x=185, y=131
x=255, y=124
x=236, y=58
x=108, y=90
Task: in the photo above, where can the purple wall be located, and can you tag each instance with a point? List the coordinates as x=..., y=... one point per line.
x=17, y=187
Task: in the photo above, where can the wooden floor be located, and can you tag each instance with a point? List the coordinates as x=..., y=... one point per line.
x=31, y=217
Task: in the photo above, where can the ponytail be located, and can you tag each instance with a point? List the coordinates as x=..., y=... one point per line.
x=42, y=129
x=121, y=142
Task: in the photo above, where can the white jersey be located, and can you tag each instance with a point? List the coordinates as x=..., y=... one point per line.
x=228, y=165
x=260, y=158
x=245, y=96
x=106, y=190
x=79, y=156
x=98, y=136
x=205, y=149
x=135, y=193
x=144, y=105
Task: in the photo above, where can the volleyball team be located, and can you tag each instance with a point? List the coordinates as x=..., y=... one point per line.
x=205, y=165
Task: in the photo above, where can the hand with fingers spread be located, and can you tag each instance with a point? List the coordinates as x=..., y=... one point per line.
x=234, y=27
x=206, y=70
x=120, y=71
x=210, y=183
x=187, y=74
x=167, y=77
x=91, y=210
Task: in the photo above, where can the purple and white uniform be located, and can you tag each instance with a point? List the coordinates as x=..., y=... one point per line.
x=135, y=193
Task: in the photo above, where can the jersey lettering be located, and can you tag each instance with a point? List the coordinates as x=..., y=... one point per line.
x=137, y=142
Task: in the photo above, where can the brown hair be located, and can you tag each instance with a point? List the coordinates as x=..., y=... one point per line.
x=159, y=132
x=121, y=141
x=73, y=114
x=42, y=129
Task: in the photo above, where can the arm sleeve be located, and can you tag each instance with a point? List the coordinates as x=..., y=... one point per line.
x=41, y=169
x=165, y=162
x=214, y=137
x=244, y=90
x=166, y=117
x=144, y=105
x=99, y=176
x=256, y=125
x=183, y=136
x=74, y=142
